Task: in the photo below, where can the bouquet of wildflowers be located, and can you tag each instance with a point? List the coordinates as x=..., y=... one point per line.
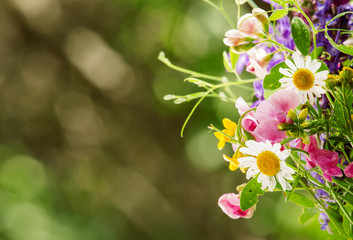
x=297, y=137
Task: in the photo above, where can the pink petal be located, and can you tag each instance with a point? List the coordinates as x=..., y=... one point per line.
x=230, y=205
x=284, y=100
x=268, y=130
x=348, y=171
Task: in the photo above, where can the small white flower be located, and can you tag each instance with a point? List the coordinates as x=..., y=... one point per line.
x=302, y=78
x=268, y=161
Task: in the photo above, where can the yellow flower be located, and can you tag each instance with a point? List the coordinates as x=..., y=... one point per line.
x=233, y=161
x=229, y=130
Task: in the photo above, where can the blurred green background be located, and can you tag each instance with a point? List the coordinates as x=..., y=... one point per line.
x=88, y=147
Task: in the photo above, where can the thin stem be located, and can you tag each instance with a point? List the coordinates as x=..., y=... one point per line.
x=220, y=8
x=205, y=95
x=322, y=205
x=334, y=194
x=163, y=59
x=252, y=4
x=281, y=46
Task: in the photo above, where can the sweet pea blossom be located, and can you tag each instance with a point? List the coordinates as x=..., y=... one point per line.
x=271, y=112
x=348, y=171
x=230, y=205
x=263, y=123
x=327, y=160
x=248, y=29
x=257, y=62
x=249, y=25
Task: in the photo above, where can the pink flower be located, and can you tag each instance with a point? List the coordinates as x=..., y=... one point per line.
x=234, y=38
x=249, y=122
x=312, y=146
x=249, y=29
x=263, y=124
x=273, y=111
x=327, y=161
x=348, y=171
x=230, y=205
x=257, y=62
x=249, y=24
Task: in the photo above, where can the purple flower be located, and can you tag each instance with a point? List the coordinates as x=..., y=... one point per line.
x=242, y=61
x=324, y=220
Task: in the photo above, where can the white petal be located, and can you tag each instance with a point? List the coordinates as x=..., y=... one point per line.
x=315, y=65
x=286, y=72
x=291, y=65
x=245, y=162
x=285, y=185
x=284, y=154
x=298, y=60
x=272, y=183
x=253, y=170
x=320, y=76
x=311, y=97
x=281, y=181
x=308, y=62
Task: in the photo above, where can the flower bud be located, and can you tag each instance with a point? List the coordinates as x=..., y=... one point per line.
x=169, y=97
x=262, y=16
x=303, y=114
x=332, y=81
x=305, y=124
x=292, y=115
x=305, y=138
x=346, y=75
x=284, y=126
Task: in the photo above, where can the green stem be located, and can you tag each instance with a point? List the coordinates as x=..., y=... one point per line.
x=205, y=95
x=281, y=46
x=322, y=206
x=342, y=186
x=220, y=8
x=334, y=194
x=163, y=59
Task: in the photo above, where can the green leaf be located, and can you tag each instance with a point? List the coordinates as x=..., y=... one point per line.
x=345, y=49
x=248, y=196
x=301, y=35
x=308, y=213
x=286, y=140
x=278, y=14
x=268, y=93
x=346, y=224
x=336, y=227
x=301, y=200
x=227, y=63
x=318, y=52
x=271, y=81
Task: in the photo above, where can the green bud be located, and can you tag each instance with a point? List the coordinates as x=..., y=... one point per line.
x=305, y=124
x=262, y=16
x=303, y=114
x=305, y=138
x=294, y=134
x=346, y=75
x=292, y=114
x=284, y=126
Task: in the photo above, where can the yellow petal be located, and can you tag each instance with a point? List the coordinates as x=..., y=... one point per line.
x=232, y=167
x=221, y=144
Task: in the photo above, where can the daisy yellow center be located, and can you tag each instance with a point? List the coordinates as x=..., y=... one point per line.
x=268, y=163
x=303, y=79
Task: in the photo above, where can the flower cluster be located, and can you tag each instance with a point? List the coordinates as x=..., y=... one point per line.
x=297, y=136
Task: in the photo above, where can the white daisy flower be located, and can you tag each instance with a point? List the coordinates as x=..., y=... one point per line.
x=301, y=77
x=268, y=161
